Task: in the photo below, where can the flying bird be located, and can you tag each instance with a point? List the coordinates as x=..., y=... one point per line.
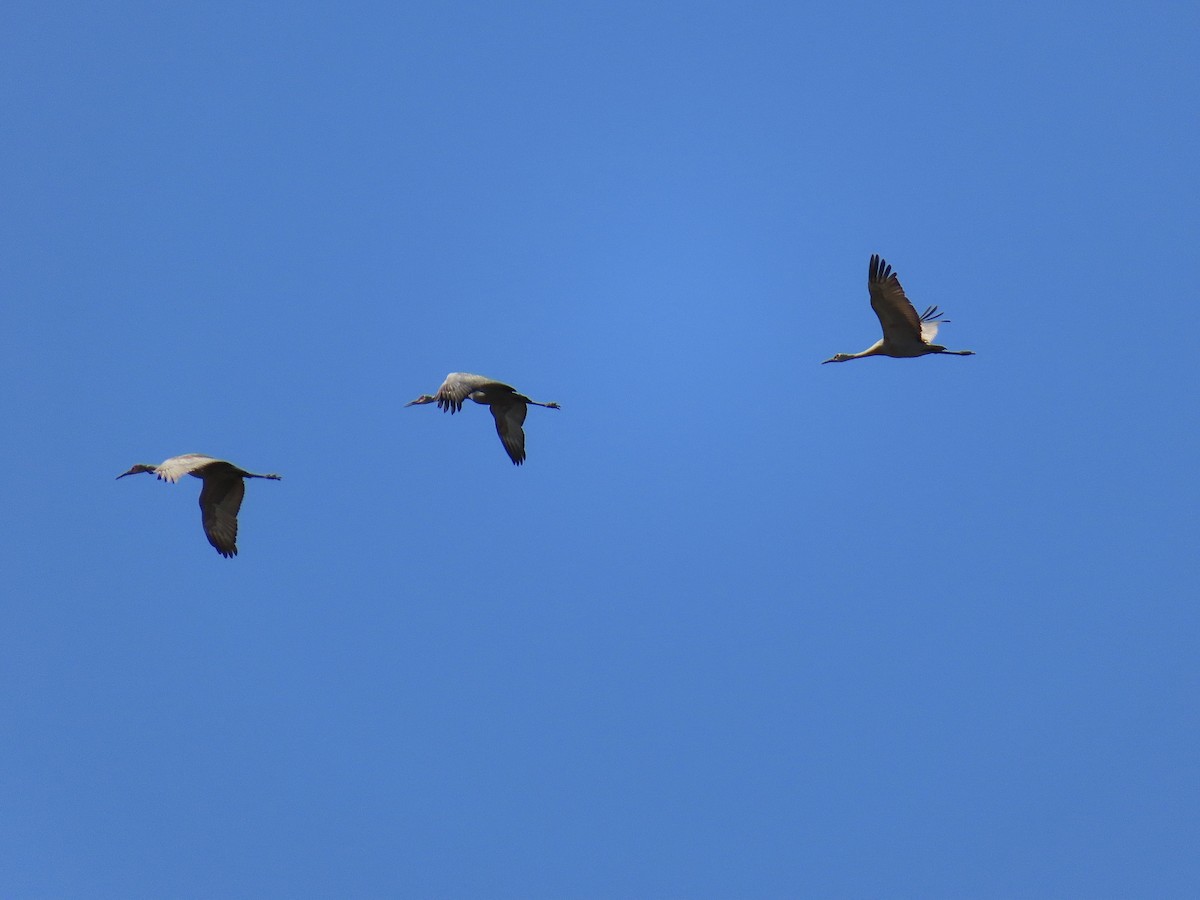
x=904, y=332
x=220, y=498
x=508, y=407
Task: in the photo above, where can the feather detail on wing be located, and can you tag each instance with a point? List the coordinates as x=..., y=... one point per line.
x=177, y=466
x=896, y=314
x=450, y=396
x=509, y=419
x=458, y=386
x=220, y=500
x=930, y=320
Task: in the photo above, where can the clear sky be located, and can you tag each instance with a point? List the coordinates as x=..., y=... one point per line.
x=743, y=625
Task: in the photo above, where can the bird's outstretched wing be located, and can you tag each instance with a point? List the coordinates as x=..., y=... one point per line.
x=458, y=386
x=899, y=318
x=930, y=320
x=177, y=466
x=509, y=419
x=220, y=500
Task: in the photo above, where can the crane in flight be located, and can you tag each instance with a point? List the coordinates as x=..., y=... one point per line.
x=220, y=497
x=905, y=334
x=508, y=407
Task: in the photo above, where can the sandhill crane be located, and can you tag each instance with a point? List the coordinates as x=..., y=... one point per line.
x=220, y=498
x=508, y=407
x=904, y=332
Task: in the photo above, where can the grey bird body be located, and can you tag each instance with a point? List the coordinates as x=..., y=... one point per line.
x=508, y=407
x=220, y=497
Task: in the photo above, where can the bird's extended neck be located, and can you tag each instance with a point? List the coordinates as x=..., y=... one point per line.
x=138, y=469
x=873, y=350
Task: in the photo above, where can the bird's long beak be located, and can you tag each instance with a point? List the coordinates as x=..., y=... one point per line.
x=831, y=359
x=123, y=474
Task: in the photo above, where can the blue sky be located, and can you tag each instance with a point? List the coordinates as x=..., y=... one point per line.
x=743, y=625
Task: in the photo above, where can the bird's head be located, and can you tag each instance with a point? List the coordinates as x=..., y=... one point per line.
x=423, y=399
x=140, y=467
x=838, y=357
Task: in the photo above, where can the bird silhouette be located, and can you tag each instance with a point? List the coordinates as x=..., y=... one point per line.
x=508, y=407
x=905, y=334
x=220, y=497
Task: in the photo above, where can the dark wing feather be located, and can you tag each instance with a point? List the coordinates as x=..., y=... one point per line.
x=220, y=500
x=451, y=394
x=458, y=386
x=896, y=313
x=509, y=419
